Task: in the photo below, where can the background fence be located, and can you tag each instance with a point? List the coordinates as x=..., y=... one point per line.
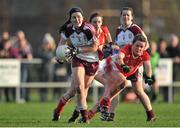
x=10, y=77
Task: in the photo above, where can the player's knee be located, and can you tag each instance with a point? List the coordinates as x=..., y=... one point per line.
x=139, y=93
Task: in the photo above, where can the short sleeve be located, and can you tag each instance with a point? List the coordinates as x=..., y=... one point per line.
x=146, y=56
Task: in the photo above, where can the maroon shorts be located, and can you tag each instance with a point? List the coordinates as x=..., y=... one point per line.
x=90, y=67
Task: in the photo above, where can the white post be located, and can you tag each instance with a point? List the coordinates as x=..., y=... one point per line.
x=170, y=93
x=18, y=94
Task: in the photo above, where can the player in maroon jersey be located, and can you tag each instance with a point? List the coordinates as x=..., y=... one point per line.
x=85, y=60
x=104, y=37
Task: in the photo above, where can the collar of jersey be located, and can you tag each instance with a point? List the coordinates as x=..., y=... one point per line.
x=79, y=30
x=124, y=28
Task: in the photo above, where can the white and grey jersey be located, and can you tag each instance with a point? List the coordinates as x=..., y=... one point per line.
x=85, y=36
x=126, y=35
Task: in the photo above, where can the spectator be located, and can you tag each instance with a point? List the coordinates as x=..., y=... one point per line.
x=9, y=52
x=163, y=54
x=162, y=50
x=174, y=52
x=46, y=53
x=4, y=37
x=25, y=51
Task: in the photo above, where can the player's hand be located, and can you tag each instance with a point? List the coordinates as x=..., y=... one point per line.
x=107, y=50
x=73, y=51
x=125, y=68
x=148, y=80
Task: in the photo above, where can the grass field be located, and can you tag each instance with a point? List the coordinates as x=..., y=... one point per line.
x=40, y=114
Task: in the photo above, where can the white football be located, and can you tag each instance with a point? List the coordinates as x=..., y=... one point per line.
x=62, y=52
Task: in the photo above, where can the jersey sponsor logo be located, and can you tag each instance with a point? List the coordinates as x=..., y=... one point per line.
x=124, y=37
x=78, y=39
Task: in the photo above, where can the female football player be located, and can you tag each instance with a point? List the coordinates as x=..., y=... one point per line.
x=104, y=37
x=122, y=66
x=81, y=36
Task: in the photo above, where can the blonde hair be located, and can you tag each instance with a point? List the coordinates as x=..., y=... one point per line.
x=50, y=40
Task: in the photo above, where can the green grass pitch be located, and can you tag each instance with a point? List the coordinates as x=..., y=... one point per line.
x=127, y=115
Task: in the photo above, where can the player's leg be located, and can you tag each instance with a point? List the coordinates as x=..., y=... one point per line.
x=88, y=82
x=76, y=112
x=114, y=104
x=115, y=83
x=98, y=77
x=62, y=102
x=90, y=70
x=79, y=80
x=138, y=88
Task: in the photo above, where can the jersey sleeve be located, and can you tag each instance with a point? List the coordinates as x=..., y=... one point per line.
x=137, y=30
x=146, y=56
x=68, y=31
x=89, y=31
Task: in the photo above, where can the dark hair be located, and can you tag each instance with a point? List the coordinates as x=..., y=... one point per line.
x=139, y=37
x=161, y=39
x=70, y=12
x=127, y=8
x=73, y=10
x=96, y=14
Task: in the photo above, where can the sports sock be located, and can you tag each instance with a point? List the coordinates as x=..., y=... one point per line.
x=105, y=102
x=150, y=114
x=91, y=114
x=84, y=114
x=60, y=106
